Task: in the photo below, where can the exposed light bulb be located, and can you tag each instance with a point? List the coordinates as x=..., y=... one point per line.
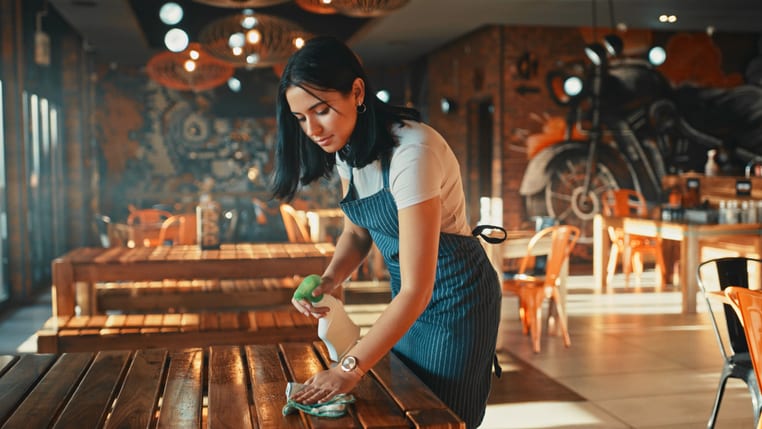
x=252, y=58
x=248, y=22
x=176, y=40
x=234, y=84
x=657, y=55
x=236, y=40
x=253, y=36
x=171, y=13
x=572, y=86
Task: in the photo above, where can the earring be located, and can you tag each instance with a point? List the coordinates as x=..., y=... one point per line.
x=361, y=108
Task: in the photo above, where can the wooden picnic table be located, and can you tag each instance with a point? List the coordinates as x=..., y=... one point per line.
x=219, y=386
x=76, y=273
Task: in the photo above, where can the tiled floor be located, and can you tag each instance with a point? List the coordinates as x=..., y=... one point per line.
x=635, y=362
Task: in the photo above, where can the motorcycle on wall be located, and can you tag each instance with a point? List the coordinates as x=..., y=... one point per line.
x=636, y=128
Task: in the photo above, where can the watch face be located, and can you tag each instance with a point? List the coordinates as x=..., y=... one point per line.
x=349, y=363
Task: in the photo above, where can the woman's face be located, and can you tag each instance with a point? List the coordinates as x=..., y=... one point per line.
x=326, y=117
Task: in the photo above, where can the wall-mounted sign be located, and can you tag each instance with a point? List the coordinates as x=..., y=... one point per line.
x=743, y=188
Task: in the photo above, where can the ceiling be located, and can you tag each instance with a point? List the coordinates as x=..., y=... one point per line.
x=129, y=32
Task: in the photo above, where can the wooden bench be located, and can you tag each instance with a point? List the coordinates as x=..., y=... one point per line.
x=194, y=295
x=173, y=330
x=76, y=273
x=219, y=386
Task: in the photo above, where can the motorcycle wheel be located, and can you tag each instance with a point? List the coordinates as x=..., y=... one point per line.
x=564, y=198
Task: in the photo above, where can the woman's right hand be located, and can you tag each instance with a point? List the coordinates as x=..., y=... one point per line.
x=327, y=284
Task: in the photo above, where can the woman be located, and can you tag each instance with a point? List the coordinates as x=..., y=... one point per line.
x=402, y=192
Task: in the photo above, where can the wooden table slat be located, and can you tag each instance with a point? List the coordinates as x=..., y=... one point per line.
x=92, y=399
x=229, y=399
x=19, y=379
x=137, y=401
x=50, y=395
x=183, y=396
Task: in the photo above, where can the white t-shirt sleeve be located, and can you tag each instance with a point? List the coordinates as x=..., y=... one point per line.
x=415, y=174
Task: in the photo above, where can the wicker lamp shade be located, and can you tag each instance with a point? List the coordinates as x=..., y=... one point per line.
x=252, y=40
x=317, y=6
x=367, y=8
x=190, y=70
x=241, y=4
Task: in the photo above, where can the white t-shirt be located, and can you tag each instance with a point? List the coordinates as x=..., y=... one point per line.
x=422, y=167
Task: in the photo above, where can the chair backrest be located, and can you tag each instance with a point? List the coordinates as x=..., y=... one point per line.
x=147, y=216
x=748, y=306
x=179, y=229
x=296, y=227
x=563, y=239
x=716, y=275
x=624, y=202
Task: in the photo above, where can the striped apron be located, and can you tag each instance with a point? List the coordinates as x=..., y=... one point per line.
x=451, y=346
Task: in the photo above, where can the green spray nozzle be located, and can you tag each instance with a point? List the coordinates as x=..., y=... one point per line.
x=305, y=288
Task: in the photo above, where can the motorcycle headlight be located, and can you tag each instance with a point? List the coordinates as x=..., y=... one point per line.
x=566, y=85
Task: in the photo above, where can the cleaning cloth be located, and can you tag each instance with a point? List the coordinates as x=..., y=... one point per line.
x=336, y=407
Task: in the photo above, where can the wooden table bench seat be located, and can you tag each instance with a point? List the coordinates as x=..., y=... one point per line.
x=194, y=295
x=76, y=273
x=219, y=386
x=173, y=330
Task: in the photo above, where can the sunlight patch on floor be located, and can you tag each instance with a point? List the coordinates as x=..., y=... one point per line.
x=537, y=415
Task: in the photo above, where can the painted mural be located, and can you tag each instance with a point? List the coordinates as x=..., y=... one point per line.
x=161, y=145
x=642, y=122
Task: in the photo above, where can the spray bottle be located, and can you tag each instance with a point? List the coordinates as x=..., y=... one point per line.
x=338, y=332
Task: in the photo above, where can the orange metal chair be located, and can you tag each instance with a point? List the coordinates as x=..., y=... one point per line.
x=179, y=229
x=715, y=277
x=533, y=290
x=296, y=226
x=747, y=304
x=630, y=203
x=147, y=216
x=144, y=226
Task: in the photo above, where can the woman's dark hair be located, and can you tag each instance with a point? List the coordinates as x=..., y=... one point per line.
x=327, y=63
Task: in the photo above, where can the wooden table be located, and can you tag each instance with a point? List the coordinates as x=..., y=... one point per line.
x=690, y=237
x=220, y=386
x=83, y=267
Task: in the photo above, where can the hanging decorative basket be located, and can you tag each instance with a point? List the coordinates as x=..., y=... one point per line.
x=193, y=69
x=240, y=4
x=252, y=39
x=367, y=8
x=317, y=6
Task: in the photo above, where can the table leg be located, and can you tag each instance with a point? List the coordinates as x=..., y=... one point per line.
x=689, y=260
x=600, y=253
x=63, y=292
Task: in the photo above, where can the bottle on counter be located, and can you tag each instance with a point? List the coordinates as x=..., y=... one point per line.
x=208, y=220
x=711, y=168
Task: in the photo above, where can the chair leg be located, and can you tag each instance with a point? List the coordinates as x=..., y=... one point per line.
x=626, y=264
x=535, y=330
x=533, y=315
x=718, y=398
x=613, y=259
x=756, y=397
x=661, y=268
x=556, y=302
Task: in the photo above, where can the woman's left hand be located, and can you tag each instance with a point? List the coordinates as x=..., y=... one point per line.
x=325, y=385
